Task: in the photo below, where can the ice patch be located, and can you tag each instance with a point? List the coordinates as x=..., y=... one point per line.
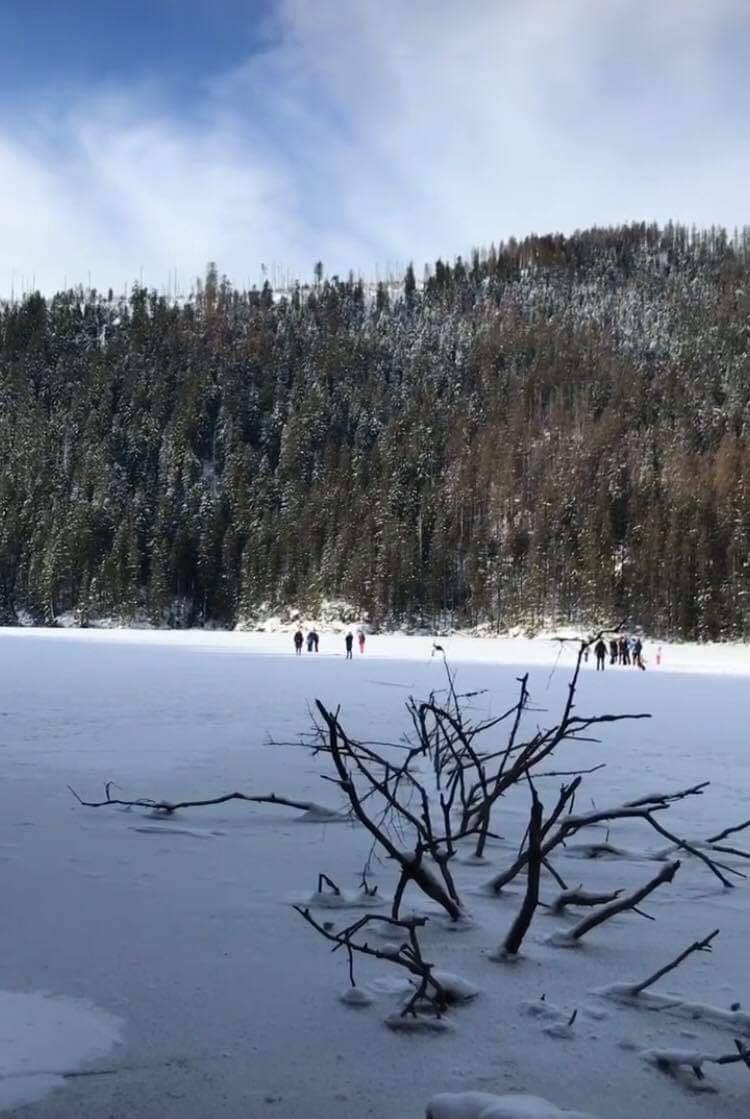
x=157, y=829
x=419, y=1023
x=319, y=814
x=483, y=1105
x=43, y=1038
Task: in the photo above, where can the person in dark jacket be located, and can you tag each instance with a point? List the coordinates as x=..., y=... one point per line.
x=311, y=640
x=624, y=650
x=638, y=654
x=316, y=639
x=601, y=655
x=298, y=640
x=349, y=642
x=613, y=651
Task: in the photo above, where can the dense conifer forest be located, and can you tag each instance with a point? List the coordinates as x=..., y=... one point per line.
x=556, y=429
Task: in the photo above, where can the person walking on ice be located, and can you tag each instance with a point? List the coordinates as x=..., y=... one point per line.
x=601, y=655
x=315, y=638
x=311, y=640
x=361, y=640
x=638, y=654
x=348, y=641
x=298, y=640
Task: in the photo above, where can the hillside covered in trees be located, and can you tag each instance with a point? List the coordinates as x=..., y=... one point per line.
x=556, y=429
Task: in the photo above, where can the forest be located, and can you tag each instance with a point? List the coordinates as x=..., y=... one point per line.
x=555, y=429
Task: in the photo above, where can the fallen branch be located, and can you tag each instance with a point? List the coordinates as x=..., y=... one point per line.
x=710, y=863
x=698, y=946
x=728, y=831
x=630, y=901
x=581, y=897
x=168, y=807
x=669, y=1060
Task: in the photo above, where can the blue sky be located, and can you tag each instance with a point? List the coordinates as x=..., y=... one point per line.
x=46, y=44
x=142, y=138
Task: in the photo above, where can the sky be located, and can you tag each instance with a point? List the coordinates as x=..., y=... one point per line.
x=140, y=139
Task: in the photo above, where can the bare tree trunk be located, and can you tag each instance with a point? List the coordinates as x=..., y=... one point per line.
x=520, y=926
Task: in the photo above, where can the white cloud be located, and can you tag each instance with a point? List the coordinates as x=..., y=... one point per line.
x=386, y=131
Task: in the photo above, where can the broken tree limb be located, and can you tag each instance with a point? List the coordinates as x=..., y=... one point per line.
x=622, y=904
x=520, y=926
x=698, y=946
x=710, y=863
x=728, y=831
x=582, y=898
x=168, y=807
x=557, y=877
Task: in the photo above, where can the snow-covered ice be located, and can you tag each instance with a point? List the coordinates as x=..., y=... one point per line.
x=484, y=1105
x=176, y=934
x=44, y=1039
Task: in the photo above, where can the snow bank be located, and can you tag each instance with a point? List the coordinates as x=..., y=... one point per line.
x=737, y=1022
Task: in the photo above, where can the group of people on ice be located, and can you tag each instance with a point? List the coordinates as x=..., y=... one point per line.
x=313, y=642
x=621, y=650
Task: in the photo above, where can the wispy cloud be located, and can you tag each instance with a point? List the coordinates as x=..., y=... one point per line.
x=385, y=132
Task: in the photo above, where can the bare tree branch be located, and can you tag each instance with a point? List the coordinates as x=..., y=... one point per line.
x=520, y=926
x=621, y=905
x=168, y=807
x=429, y=991
x=698, y=946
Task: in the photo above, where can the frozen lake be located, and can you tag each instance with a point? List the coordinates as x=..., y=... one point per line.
x=181, y=929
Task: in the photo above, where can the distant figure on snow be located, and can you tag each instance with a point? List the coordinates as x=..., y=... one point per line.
x=298, y=640
x=601, y=655
x=638, y=654
x=349, y=641
x=361, y=640
x=624, y=650
x=613, y=651
x=315, y=638
x=311, y=640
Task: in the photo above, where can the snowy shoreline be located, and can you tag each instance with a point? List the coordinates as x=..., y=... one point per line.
x=549, y=649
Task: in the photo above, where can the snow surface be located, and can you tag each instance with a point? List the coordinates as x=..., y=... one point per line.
x=181, y=926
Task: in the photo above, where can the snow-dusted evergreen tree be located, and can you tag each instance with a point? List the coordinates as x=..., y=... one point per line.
x=556, y=428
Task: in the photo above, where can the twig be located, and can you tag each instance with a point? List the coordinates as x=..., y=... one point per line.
x=728, y=831
x=698, y=946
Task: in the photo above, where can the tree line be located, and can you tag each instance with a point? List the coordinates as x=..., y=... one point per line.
x=553, y=429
